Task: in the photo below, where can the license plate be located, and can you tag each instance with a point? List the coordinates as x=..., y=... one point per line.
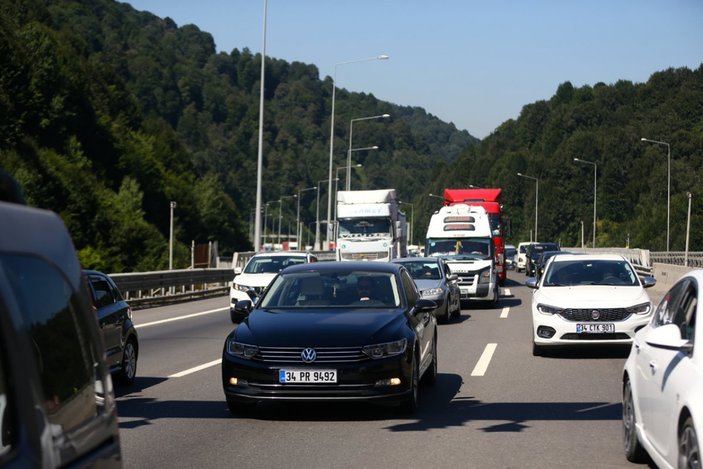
x=307, y=376
x=595, y=328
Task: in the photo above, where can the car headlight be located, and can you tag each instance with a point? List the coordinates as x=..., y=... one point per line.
x=432, y=292
x=546, y=309
x=239, y=349
x=642, y=309
x=239, y=287
x=485, y=275
x=385, y=350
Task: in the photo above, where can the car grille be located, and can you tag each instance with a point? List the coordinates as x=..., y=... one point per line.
x=615, y=336
x=324, y=355
x=604, y=315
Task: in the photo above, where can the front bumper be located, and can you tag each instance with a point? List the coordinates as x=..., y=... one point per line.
x=555, y=330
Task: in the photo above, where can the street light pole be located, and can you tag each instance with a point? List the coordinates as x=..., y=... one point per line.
x=317, y=224
x=170, y=238
x=536, y=198
x=595, y=179
x=280, y=214
x=298, y=230
x=260, y=157
x=351, y=132
x=688, y=229
x=412, y=213
x=336, y=192
x=334, y=90
x=668, y=185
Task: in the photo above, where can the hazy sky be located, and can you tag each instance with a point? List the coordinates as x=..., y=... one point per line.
x=473, y=63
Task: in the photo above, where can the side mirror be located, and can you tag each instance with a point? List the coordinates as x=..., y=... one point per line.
x=243, y=307
x=649, y=282
x=424, y=306
x=532, y=282
x=453, y=277
x=237, y=270
x=668, y=337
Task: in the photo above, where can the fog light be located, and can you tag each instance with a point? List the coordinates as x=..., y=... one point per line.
x=546, y=332
x=388, y=382
x=233, y=381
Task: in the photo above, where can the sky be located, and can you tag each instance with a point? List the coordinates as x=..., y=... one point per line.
x=472, y=63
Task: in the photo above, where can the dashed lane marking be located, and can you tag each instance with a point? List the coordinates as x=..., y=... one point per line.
x=504, y=312
x=196, y=368
x=179, y=318
x=484, y=361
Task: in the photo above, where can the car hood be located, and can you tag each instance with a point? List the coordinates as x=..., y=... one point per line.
x=323, y=328
x=254, y=280
x=425, y=284
x=591, y=296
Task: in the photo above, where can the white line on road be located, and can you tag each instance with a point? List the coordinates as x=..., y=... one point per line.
x=482, y=365
x=504, y=312
x=506, y=292
x=188, y=316
x=196, y=368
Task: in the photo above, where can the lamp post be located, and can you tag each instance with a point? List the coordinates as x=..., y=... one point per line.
x=536, y=198
x=260, y=156
x=595, y=179
x=280, y=214
x=170, y=238
x=298, y=230
x=688, y=229
x=317, y=224
x=668, y=185
x=334, y=91
x=412, y=212
x=266, y=211
x=351, y=133
x=336, y=180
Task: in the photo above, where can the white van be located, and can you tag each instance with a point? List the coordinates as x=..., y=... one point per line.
x=521, y=256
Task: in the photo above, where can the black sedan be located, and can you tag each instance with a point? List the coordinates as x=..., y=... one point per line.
x=115, y=319
x=435, y=282
x=333, y=331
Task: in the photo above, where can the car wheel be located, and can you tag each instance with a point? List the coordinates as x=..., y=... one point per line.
x=430, y=376
x=129, y=362
x=238, y=408
x=408, y=405
x=457, y=311
x=634, y=452
x=689, y=452
x=445, y=318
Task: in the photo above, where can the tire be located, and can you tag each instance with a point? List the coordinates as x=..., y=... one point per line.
x=689, y=452
x=430, y=376
x=408, y=405
x=238, y=408
x=128, y=369
x=634, y=451
x=445, y=317
x=457, y=312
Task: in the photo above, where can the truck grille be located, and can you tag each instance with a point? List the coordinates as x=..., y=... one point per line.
x=324, y=355
x=364, y=256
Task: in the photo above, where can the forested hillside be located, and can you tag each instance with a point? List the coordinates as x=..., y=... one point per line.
x=603, y=124
x=107, y=114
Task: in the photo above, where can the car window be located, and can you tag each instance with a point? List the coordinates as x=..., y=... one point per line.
x=67, y=360
x=410, y=290
x=7, y=416
x=102, y=291
x=667, y=306
x=683, y=314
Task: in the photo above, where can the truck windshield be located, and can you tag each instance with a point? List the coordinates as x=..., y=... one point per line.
x=357, y=227
x=459, y=248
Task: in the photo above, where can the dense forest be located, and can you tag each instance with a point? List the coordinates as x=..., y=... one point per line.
x=108, y=114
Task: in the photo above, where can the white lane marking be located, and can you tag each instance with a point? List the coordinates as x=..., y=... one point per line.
x=506, y=292
x=196, y=368
x=504, y=312
x=188, y=316
x=482, y=365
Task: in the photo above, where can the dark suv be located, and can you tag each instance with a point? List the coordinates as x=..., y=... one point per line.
x=533, y=252
x=57, y=407
x=115, y=319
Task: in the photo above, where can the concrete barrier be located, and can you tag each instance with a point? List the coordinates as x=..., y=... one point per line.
x=667, y=275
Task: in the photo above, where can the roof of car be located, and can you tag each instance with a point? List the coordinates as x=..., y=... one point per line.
x=38, y=232
x=344, y=266
x=588, y=257
x=401, y=260
x=283, y=253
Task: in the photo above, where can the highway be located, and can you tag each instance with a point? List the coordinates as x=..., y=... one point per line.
x=494, y=405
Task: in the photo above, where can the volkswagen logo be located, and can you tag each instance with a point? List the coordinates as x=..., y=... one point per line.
x=308, y=355
x=595, y=314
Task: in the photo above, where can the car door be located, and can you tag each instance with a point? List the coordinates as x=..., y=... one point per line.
x=663, y=372
x=422, y=322
x=110, y=316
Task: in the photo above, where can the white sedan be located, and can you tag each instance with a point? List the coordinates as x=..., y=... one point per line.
x=662, y=402
x=588, y=299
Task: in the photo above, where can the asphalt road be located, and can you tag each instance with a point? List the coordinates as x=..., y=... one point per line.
x=494, y=405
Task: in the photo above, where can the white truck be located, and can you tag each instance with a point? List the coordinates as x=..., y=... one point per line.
x=370, y=226
x=461, y=234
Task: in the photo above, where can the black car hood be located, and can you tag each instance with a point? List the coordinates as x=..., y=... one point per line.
x=323, y=328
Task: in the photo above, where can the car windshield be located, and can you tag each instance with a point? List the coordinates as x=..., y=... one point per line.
x=356, y=289
x=423, y=270
x=590, y=272
x=459, y=248
x=352, y=227
x=271, y=264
